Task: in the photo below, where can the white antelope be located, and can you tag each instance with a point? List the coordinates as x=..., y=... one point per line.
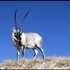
x=24, y=41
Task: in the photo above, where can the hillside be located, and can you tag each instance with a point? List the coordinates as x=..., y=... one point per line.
x=38, y=63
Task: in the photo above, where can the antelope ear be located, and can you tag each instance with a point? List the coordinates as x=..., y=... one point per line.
x=20, y=28
x=13, y=29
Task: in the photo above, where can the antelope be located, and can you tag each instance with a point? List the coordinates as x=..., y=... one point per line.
x=25, y=41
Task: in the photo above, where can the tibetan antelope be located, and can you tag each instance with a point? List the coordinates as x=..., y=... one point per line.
x=24, y=41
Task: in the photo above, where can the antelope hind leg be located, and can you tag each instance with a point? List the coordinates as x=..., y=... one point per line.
x=35, y=53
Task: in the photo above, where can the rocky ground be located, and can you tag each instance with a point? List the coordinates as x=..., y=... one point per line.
x=38, y=63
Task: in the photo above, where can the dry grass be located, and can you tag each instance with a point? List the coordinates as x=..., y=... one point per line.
x=38, y=63
x=63, y=61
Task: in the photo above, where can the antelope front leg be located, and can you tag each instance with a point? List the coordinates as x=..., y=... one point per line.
x=23, y=51
x=18, y=52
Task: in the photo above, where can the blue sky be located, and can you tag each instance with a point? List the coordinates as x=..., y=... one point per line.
x=51, y=19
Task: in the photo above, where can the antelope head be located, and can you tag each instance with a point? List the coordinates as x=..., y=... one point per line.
x=16, y=30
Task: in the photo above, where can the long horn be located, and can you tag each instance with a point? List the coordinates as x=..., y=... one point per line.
x=15, y=19
x=23, y=20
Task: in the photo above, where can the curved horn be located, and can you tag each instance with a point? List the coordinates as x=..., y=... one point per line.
x=15, y=19
x=23, y=20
